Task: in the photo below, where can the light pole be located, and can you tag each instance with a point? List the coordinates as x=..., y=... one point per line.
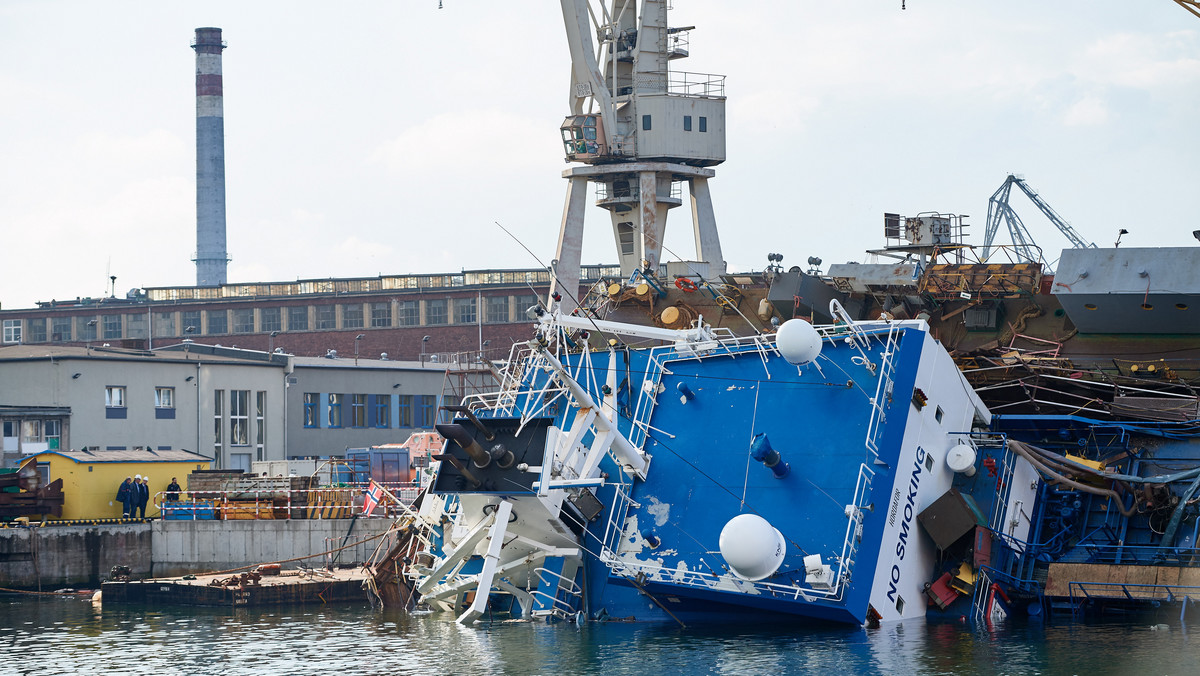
x=356, y=339
x=424, y=343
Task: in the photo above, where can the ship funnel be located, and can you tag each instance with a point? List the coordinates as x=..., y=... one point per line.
x=753, y=548
x=798, y=342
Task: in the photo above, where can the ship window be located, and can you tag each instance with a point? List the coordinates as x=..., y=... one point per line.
x=687, y=122
x=1089, y=306
x=1181, y=306
x=937, y=415
x=1147, y=306
x=703, y=124
x=646, y=122
x=899, y=604
x=929, y=462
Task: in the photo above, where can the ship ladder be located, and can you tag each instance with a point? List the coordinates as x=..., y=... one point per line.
x=558, y=595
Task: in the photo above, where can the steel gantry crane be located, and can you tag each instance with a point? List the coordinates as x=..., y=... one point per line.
x=1000, y=210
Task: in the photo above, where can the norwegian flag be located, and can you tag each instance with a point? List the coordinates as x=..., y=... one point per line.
x=374, y=495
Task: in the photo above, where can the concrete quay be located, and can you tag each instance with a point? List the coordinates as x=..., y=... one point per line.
x=54, y=557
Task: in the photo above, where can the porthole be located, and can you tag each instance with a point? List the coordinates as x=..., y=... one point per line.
x=1147, y=306
x=1089, y=306
x=1181, y=306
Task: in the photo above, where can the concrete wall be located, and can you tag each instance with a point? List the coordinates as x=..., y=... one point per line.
x=181, y=547
x=78, y=556
x=81, y=556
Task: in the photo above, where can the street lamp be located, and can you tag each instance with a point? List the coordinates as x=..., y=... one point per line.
x=424, y=343
x=356, y=339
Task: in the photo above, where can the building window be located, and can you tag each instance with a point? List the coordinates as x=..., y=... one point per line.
x=269, y=319
x=525, y=302
x=404, y=412
x=188, y=320
x=31, y=431
x=687, y=122
x=37, y=330
x=60, y=328
x=114, y=396
x=335, y=410
x=243, y=320
x=298, y=318
x=218, y=428
x=326, y=317
x=352, y=316
x=497, y=309
x=409, y=313
x=435, y=312
x=464, y=310
x=312, y=406
x=239, y=417
x=260, y=422
x=164, y=324
x=358, y=410
x=112, y=326
x=12, y=330
x=646, y=123
x=704, y=124
x=52, y=434
x=381, y=315
x=85, y=328
x=383, y=411
x=218, y=322
x=164, y=397
x=426, y=410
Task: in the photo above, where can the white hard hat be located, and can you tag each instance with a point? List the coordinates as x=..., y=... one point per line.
x=137, y=476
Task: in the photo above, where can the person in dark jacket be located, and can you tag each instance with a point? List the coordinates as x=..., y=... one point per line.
x=125, y=496
x=143, y=497
x=173, y=489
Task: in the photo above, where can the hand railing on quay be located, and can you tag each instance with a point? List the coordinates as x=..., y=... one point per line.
x=248, y=503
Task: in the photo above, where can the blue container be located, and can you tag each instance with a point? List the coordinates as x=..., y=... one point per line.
x=189, y=510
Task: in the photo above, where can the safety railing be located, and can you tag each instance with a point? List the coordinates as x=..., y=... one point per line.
x=335, y=502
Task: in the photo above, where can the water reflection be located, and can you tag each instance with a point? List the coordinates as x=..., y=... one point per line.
x=69, y=636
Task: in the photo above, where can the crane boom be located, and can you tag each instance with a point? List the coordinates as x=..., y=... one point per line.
x=1192, y=6
x=999, y=211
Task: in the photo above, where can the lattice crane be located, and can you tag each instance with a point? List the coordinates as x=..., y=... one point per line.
x=999, y=210
x=1192, y=6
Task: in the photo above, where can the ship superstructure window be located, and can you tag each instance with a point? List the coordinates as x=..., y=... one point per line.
x=36, y=330
x=352, y=316
x=497, y=309
x=298, y=318
x=326, y=317
x=243, y=320
x=435, y=312
x=12, y=330
x=687, y=122
x=239, y=417
x=646, y=123
x=703, y=124
x=381, y=315
x=464, y=310
x=269, y=319
x=60, y=328
x=312, y=406
x=112, y=325
x=218, y=321
x=409, y=313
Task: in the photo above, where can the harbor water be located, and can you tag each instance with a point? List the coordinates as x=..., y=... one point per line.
x=53, y=635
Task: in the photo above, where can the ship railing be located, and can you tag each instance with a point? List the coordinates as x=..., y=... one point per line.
x=560, y=584
x=615, y=526
x=1080, y=591
x=883, y=391
x=1141, y=554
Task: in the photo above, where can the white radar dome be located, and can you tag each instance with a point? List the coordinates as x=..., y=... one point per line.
x=961, y=458
x=798, y=342
x=753, y=548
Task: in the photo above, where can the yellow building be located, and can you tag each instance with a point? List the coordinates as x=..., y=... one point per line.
x=91, y=478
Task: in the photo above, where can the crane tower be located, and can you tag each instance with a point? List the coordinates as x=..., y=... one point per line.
x=641, y=132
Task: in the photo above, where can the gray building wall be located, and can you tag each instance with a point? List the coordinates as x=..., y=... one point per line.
x=348, y=377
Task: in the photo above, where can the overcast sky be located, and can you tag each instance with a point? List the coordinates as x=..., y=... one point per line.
x=390, y=137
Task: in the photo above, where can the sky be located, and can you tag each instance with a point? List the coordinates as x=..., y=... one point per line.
x=392, y=137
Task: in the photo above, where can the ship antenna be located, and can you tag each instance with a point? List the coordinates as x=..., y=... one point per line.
x=553, y=273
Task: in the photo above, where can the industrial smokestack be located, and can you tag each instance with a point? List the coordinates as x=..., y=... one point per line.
x=211, y=257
